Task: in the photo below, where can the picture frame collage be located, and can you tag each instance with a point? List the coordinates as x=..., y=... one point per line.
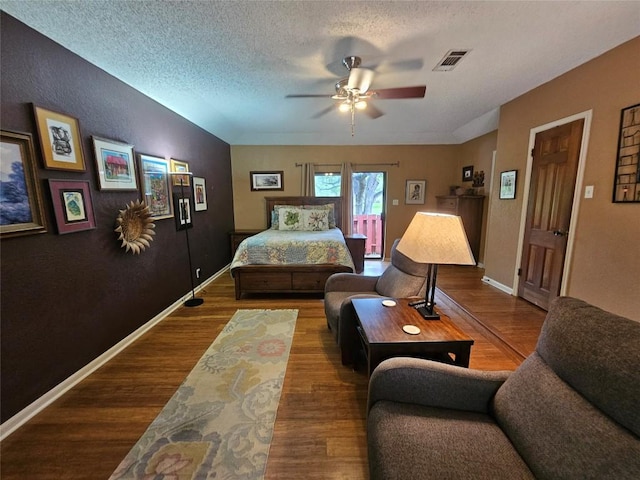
x=118, y=169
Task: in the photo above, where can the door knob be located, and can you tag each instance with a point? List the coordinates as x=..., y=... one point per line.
x=559, y=233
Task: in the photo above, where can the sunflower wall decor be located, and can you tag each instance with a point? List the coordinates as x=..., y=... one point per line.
x=135, y=226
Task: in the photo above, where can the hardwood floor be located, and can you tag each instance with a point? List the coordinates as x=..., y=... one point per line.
x=320, y=429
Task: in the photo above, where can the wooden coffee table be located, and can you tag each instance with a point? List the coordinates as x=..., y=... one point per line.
x=381, y=332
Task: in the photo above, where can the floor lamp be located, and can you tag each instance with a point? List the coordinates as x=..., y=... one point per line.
x=193, y=301
x=435, y=238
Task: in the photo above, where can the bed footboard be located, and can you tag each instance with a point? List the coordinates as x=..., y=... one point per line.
x=283, y=278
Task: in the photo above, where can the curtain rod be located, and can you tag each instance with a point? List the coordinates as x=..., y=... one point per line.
x=396, y=164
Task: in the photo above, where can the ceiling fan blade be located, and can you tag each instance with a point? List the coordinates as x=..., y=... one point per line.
x=372, y=111
x=401, y=92
x=360, y=78
x=308, y=95
x=323, y=112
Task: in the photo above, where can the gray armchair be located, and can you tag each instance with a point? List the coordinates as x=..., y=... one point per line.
x=403, y=278
x=570, y=411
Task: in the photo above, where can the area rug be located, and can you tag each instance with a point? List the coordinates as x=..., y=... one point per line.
x=220, y=422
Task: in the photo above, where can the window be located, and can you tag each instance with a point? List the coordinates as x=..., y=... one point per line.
x=327, y=184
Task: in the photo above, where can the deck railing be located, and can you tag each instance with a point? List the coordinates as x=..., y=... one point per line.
x=371, y=226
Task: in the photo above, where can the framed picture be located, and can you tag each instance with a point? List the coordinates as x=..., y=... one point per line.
x=60, y=140
x=182, y=207
x=199, y=194
x=72, y=205
x=267, y=181
x=508, y=185
x=154, y=181
x=467, y=174
x=178, y=166
x=626, y=183
x=116, y=167
x=414, y=192
x=21, y=208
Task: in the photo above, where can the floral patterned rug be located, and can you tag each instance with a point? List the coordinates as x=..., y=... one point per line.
x=219, y=423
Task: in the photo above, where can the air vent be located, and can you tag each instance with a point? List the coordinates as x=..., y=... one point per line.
x=450, y=60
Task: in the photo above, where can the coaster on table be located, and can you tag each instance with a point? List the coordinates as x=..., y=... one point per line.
x=411, y=329
x=389, y=303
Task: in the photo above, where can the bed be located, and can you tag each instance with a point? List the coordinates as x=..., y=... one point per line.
x=296, y=277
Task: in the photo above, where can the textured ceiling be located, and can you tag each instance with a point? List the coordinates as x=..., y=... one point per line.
x=228, y=65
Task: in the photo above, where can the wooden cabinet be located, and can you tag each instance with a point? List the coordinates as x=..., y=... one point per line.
x=469, y=208
x=356, y=245
x=238, y=236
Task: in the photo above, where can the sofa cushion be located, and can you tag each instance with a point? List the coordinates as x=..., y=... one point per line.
x=558, y=432
x=403, y=278
x=405, y=264
x=397, y=284
x=598, y=354
x=334, y=303
x=416, y=442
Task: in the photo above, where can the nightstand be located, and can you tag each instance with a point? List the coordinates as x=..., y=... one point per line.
x=356, y=245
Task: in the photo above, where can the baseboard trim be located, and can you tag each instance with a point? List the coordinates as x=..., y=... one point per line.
x=27, y=413
x=498, y=285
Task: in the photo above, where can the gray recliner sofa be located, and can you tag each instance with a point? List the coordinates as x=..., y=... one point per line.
x=401, y=279
x=571, y=410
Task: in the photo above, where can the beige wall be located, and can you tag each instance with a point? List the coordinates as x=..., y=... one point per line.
x=439, y=165
x=605, y=265
x=479, y=153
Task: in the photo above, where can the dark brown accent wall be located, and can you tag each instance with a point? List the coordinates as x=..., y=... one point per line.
x=66, y=299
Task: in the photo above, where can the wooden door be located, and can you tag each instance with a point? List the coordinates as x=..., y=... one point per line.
x=553, y=177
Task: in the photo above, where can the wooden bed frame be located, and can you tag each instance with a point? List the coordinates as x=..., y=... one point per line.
x=289, y=278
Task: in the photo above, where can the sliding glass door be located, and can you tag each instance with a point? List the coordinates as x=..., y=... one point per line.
x=368, y=204
x=368, y=210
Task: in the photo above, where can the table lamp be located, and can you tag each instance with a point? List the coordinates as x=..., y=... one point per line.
x=435, y=238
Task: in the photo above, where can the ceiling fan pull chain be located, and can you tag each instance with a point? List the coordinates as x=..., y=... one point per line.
x=353, y=120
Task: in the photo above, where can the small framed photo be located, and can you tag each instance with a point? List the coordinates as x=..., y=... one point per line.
x=115, y=164
x=414, y=192
x=267, y=181
x=179, y=166
x=156, y=189
x=199, y=194
x=72, y=205
x=467, y=174
x=21, y=207
x=508, y=185
x=182, y=207
x=60, y=140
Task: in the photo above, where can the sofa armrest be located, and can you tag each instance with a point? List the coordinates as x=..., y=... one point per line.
x=434, y=384
x=350, y=282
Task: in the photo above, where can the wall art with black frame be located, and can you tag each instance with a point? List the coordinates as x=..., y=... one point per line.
x=626, y=184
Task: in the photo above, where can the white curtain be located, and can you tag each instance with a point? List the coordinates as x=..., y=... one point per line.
x=346, y=193
x=308, y=180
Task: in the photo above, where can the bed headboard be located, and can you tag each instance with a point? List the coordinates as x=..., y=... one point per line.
x=337, y=205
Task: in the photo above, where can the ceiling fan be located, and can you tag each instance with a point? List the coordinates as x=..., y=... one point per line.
x=353, y=92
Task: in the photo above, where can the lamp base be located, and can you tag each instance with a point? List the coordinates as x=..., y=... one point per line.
x=427, y=313
x=193, y=302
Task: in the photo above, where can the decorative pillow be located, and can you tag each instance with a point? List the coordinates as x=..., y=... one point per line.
x=329, y=207
x=296, y=218
x=290, y=218
x=315, y=220
x=275, y=215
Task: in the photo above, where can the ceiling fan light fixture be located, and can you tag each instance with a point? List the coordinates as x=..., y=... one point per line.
x=361, y=105
x=344, y=106
x=360, y=79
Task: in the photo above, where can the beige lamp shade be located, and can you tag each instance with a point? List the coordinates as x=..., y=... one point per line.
x=436, y=238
